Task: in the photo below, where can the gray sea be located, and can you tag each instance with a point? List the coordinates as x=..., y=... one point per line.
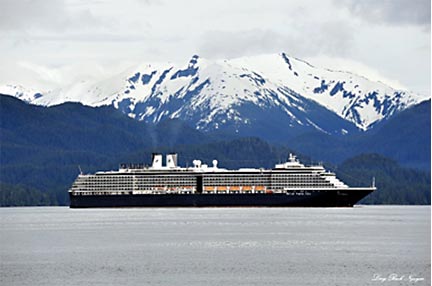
x=364, y=245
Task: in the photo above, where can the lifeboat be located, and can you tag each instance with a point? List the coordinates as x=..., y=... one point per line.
x=209, y=188
x=221, y=188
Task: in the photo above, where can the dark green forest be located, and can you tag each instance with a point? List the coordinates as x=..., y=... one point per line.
x=42, y=148
x=395, y=185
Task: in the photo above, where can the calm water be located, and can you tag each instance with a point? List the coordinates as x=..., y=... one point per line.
x=243, y=246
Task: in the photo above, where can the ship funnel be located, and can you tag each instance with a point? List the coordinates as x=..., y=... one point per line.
x=157, y=160
x=292, y=157
x=171, y=160
x=196, y=163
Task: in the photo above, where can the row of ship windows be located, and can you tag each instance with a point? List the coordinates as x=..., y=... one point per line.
x=184, y=191
x=302, y=185
x=101, y=189
x=234, y=177
x=137, y=180
x=299, y=181
x=206, y=179
x=255, y=179
x=175, y=184
x=205, y=183
x=266, y=182
x=134, y=183
x=237, y=183
x=148, y=187
x=210, y=177
x=216, y=182
x=148, y=178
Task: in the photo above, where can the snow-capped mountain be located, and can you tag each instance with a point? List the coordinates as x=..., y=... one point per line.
x=20, y=92
x=237, y=94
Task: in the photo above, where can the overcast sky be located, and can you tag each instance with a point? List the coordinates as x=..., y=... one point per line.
x=49, y=43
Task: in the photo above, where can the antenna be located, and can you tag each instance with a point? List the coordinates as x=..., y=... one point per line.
x=79, y=168
x=373, y=182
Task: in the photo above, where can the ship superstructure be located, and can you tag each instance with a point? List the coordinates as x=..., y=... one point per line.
x=287, y=184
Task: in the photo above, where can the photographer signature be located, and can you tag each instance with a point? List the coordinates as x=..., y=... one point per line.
x=394, y=277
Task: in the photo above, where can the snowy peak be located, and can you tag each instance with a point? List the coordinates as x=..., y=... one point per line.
x=354, y=98
x=238, y=94
x=20, y=92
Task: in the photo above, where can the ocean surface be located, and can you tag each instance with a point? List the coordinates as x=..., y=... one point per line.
x=364, y=245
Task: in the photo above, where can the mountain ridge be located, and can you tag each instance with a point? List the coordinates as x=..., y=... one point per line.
x=231, y=94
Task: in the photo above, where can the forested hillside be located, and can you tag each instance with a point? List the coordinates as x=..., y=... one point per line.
x=395, y=184
x=41, y=150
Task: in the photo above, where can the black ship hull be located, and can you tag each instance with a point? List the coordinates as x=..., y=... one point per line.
x=303, y=198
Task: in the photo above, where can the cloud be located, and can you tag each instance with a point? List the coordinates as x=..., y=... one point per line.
x=417, y=12
x=50, y=15
x=385, y=34
x=221, y=44
x=305, y=39
x=45, y=74
x=343, y=64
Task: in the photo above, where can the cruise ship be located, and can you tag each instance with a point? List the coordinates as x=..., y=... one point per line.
x=290, y=184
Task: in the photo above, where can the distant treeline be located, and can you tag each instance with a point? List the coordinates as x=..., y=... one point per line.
x=41, y=149
x=396, y=185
